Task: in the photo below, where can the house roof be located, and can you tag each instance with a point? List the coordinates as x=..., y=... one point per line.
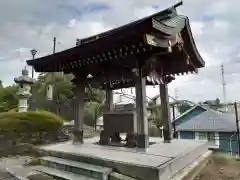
x=210, y=120
x=188, y=111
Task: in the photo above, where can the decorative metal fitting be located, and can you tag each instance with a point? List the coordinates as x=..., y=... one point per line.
x=169, y=46
x=135, y=71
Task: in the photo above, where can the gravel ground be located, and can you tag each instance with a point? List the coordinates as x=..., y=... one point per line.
x=221, y=167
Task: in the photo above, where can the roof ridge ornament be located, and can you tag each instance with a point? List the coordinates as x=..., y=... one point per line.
x=78, y=42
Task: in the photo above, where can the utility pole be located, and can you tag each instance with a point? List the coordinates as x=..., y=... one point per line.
x=54, y=45
x=237, y=125
x=53, y=78
x=224, y=87
x=33, y=52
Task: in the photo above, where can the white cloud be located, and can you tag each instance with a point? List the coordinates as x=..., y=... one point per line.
x=34, y=24
x=197, y=28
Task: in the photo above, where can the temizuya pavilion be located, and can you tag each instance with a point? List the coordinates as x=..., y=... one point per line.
x=159, y=46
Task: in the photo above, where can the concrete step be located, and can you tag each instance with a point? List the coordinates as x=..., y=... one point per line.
x=61, y=175
x=77, y=167
x=117, y=176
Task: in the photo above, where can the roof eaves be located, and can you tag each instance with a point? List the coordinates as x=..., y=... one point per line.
x=166, y=13
x=189, y=31
x=163, y=14
x=188, y=111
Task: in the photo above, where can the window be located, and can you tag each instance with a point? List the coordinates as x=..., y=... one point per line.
x=202, y=135
x=211, y=137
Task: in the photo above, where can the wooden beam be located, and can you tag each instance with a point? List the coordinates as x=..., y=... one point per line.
x=157, y=41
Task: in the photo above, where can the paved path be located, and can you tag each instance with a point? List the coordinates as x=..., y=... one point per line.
x=15, y=166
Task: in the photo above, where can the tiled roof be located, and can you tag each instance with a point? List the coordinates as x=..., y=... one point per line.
x=188, y=111
x=210, y=120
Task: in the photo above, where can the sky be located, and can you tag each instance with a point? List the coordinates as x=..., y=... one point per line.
x=28, y=24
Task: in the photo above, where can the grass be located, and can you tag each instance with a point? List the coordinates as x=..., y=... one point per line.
x=33, y=162
x=222, y=157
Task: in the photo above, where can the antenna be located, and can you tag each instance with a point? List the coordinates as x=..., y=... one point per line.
x=224, y=87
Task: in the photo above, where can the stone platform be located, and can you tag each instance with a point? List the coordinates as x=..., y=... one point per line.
x=159, y=161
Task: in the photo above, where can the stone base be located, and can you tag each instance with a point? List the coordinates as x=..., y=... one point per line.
x=159, y=161
x=167, y=136
x=78, y=136
x=104, y=138
x=116, y=137
x=131, y=140
x=166, y=141
x=142, y=141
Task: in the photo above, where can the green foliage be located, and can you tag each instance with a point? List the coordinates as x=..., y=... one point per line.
x=183, y=107
x=62, y=87
x=156, y=114
x=28, y=124
x=34, y=162
x=8, y=98
x=95, y=95
x=40, y=176
x=92, y=111
x=154, y=132
x=63, y=94
x=215, y=104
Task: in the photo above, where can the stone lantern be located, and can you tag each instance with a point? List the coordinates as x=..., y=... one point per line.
x=24, y=90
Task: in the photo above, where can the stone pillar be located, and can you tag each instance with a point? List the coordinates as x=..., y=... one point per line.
x=23, y=104
x=109, y=100
x=79, y=111
x=141, y=108
x=109, y=106
x=24, y=89
x=173, y=123
x=165, y=113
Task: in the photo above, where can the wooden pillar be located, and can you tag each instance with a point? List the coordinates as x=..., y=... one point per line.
x=109, y=100
x=173, y=119
x=141, y=108
x=165, y=113
x=79, y=111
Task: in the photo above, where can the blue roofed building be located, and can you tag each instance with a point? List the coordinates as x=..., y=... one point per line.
x=202, y=123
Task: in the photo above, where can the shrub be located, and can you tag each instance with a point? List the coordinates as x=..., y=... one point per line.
x=37, y=121
x=154, y=132
x=28, y=125
x=13, y=110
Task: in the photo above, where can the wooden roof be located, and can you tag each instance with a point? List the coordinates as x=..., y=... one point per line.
x=112, y=55
x=125, y=83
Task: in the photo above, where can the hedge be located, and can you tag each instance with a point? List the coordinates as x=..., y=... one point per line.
x=26, y=125
x=30, y=121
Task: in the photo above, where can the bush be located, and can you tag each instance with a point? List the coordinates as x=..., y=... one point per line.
x=13, y=110
x=37, y=121
x=154, y=132
x=29, y=125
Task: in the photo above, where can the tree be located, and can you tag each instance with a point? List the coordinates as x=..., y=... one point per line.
x=217, y=101
x=8, y=98
x=213, y=104
x=61, y=83
x=183, y=107
x=94, y=98
x=156, y=115
x=63, y=88
x=1, y=85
